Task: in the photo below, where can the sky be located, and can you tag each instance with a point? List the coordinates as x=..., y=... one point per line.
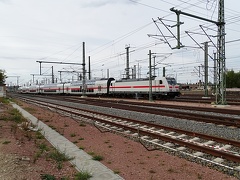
x=54, y=31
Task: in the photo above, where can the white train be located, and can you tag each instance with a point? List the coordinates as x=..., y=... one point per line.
x=161, y=87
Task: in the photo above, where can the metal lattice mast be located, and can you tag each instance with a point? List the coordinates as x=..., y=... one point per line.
x=221, y=66
x=84, y=73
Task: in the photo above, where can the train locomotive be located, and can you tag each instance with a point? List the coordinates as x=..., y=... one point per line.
x=162, y=87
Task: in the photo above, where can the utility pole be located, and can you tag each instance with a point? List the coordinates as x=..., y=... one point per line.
x=215, y=74
x=221, y=65
x=134, y=72
x=127, y=63
x=60, y=76
x=199, y=80
x=108, y=74
x=150, y=76
x=84, y=73
x=206, y=68
x=40, y=67
x=154, y=69
x=89, y=68
x=52, y=75
x=33, y=77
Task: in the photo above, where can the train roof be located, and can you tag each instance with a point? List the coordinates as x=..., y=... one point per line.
x=139, y=79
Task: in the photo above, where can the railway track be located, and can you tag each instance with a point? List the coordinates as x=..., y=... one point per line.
x=167, y=110
x=232, y=99
x=219, y=152
x=226, y=117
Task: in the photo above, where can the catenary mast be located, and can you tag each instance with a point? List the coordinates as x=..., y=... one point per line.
x=221, y=65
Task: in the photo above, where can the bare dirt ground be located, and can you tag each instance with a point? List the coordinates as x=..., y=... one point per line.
x=24, y=153
x=127, y=158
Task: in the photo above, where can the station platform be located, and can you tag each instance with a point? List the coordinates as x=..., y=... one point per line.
x=82, y=161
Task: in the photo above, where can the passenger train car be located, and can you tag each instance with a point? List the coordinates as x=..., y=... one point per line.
x=161, y=87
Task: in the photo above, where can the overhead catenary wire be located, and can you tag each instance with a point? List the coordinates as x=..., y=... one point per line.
x=183, y=5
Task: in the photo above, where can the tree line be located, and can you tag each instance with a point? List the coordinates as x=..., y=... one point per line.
x=232, y=79
x=2, y=76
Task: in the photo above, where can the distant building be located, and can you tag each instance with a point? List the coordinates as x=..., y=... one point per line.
x=2, y=90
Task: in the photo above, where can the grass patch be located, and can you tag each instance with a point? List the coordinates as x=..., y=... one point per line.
x=39, y=135
x=81, y=147
x=83, y=175
x=97, y=158
x=6, y=142
x=4, y=100
x=91, y=153
x=36, y=156
x=152, y=171
x=73, y=135
x=116, y=171
x=81, y=139
x=43, y=147
x=59, y=158
x=106, y=142
x=16, y=116
x=51, y=126
x=48, y=177
x=82, y=124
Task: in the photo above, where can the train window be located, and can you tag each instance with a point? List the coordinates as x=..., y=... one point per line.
x=99, y=88
x=171, y=81
x=160, y=81
x=111, y=84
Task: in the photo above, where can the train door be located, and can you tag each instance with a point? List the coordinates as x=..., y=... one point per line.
x=109, y=85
